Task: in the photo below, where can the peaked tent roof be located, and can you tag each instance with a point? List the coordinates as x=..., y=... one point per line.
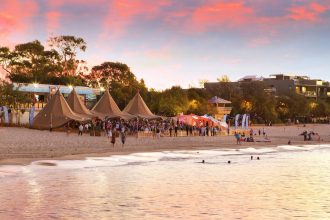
x=79, y=108
x=57, y=113
x=139, y=108
x=108, y=107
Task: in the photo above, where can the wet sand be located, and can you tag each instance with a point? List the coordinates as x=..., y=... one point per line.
x=22, y=146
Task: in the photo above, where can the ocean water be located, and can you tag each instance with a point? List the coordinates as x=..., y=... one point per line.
x=288, y=182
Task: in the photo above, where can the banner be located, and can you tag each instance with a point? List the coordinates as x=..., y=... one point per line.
x=236, y=120
x=5, y=111
x=31, y=116
x=247, y=122
x=243, y=121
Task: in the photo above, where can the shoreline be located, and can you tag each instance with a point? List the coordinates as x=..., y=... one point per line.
x=21, y=146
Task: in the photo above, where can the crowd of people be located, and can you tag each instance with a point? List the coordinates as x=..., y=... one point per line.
x=243, y=137
x=157, y=128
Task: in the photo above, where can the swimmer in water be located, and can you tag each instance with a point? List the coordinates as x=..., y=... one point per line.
x=203, y=161
x=258, y=158
x=251, y=157
x=228, y=161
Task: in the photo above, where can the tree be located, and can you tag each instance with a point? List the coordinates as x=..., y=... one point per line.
x=173, y=101
x=68, y=47
x=11, y=97
x=319, y=108
x=118, y=78
x=30, y=62
x=257, y=102
x=201, y=82
x=5, y=58
x=292, y=105
x=152, y=98
x=223, y=78
x=198, y=102
x=108, y=73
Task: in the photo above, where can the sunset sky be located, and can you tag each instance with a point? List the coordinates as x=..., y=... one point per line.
x=179, y=42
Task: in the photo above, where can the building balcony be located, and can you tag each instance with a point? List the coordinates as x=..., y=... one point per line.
x=310, y=94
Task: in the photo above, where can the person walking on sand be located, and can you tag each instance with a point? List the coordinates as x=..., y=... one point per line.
x=113, y=138
x=238, y=138
x=81, y=129
x=109, y=134
x=123, y=138
x=176, y=130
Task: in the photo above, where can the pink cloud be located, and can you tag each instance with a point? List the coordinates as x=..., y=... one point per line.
x=122, y=13
x=232, y=14
x=53, y=22
x=15, y=18
x=210, y=15
x=54, y=13
x=310, y=12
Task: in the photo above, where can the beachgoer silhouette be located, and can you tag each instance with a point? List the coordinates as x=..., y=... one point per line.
x=123, y=138
x=229, y=161
x=113, y=138
x=258, y=158
x=251, y=157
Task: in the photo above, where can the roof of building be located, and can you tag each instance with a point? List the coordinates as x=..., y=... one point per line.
x=250, y=78
x=47, y=88
x=217, y=100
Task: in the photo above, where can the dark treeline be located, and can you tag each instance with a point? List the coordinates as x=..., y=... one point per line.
x=31, y=62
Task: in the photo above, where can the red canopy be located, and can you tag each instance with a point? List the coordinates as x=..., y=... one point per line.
x=195, y=120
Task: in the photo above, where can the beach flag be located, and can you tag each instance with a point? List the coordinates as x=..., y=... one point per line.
x=5, y=111
x=247, y=121
x=224, y=118
x=243, y=121
x=31, y=116
x=236, y=121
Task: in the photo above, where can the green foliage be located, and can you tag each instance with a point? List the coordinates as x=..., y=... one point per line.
x=198, y=102
x=67, y=48
x=224, y=78
x=262, y=104
x=319, y=108
x=152, y=98
x=118, y=78
x=30, y=62
x=12, y=97
x=173, y=101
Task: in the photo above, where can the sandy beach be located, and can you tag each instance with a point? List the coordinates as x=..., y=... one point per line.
x=22, y=146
